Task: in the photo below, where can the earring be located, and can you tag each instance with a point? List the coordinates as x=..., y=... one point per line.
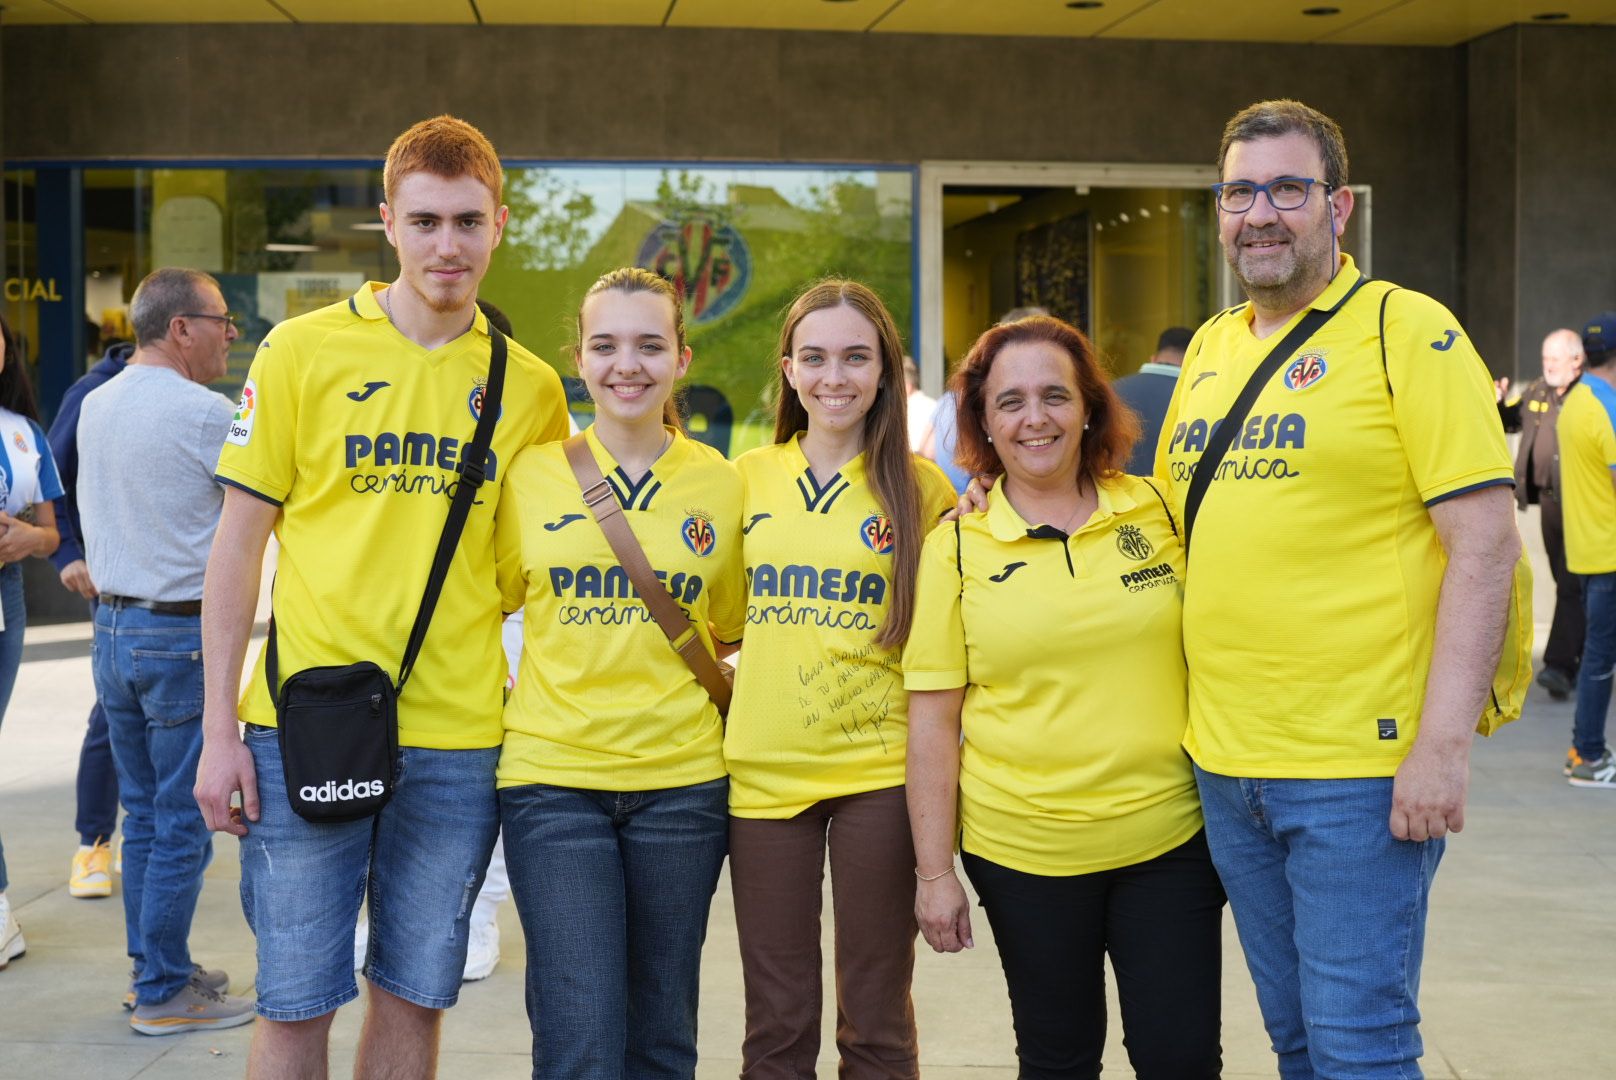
x=990, y=438
x=1085, y=427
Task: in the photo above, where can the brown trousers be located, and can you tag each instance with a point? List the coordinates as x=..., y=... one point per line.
x=777, y=868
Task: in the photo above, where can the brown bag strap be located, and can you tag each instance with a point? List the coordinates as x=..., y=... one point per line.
x=602, y=502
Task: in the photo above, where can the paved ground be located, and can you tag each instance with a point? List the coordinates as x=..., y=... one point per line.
x=1520, y=973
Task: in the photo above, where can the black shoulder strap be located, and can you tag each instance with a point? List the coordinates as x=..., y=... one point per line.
x=473, y=469
x=1223, y=435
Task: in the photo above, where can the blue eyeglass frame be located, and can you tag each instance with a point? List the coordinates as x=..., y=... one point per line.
x=1263, y=190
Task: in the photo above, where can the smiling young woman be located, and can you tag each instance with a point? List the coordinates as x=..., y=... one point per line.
x=836, y=510
x=612, y=782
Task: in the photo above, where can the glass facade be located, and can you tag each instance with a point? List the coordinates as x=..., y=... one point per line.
x=1122, y=264
x=741, y=241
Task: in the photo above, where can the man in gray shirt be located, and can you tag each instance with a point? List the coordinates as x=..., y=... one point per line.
x=148, y=443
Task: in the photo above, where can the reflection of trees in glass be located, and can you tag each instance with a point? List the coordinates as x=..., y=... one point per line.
x=683, y=195
x=848, y=223
x=549, y=225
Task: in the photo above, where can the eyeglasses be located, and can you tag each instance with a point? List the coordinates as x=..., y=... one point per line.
x=1285, y=193
x=230, y=317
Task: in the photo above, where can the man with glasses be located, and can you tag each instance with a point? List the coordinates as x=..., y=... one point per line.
x=148, y=443
x=1348, y=585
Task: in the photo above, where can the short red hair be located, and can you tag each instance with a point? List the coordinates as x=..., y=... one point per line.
x=1113, y=427
x=444, y=146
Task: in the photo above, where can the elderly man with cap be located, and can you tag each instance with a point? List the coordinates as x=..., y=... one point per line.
x=1587, y=430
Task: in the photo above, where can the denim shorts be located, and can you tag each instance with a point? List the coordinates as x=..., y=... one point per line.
x=423, y=858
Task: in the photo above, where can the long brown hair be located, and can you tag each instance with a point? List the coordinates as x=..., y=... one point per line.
x=888, y=461
x=634, y=279
x=1113, y=428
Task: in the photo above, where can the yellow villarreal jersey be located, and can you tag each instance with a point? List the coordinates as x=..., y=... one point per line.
x=602, y=700
x=820, y=709
x=1587, y=432
x=1311, y=594
x=355, y=432
x=1073, y=668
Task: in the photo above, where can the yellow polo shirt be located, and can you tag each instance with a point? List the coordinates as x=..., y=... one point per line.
x=819, y=710
x=1587, y=432
x=602, y=701
x=1073, y=668
x=1310, y=603
x=354, y=431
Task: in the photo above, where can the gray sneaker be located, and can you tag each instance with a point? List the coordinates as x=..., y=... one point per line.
x=212, y=978
x=193, y=1007
x=1600, y=772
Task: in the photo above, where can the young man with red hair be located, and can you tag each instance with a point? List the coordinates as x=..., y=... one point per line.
x=346, y=444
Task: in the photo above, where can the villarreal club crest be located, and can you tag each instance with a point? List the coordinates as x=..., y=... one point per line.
x=1305, y=370
x=876, y=532
x=699, y=535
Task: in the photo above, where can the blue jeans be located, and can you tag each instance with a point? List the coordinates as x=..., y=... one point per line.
x=1598, y=661
x=423, y=856
x=613, y=889
x=11, y=602
x=98, y=776
x=148, y=676
x=1331, y=914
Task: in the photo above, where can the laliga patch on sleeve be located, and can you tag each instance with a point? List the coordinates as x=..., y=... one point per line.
x=241, y=424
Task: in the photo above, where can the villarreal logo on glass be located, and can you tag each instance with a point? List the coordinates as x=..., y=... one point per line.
x=699, y=535
x=1305, y=370
x=876, y=533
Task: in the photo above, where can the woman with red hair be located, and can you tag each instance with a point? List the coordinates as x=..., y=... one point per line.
x=1046, y=629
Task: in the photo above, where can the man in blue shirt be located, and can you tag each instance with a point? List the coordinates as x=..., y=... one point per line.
x=1148, y=391
x=97, y=780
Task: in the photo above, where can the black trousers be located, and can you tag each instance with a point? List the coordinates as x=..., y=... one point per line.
x=1161, y=921
x=1564, y=647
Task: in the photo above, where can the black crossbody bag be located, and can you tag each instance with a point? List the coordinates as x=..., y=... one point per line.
x=1221, y=439
x=338, y=726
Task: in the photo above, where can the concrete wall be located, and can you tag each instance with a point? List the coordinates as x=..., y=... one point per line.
x=1491, y=235
x=1566, y=170
x=81, y=92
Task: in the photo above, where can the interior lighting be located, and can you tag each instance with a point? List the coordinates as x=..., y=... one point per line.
x=292, y=247
x=368, y=226
x=1125, y=218
x=1321, y=11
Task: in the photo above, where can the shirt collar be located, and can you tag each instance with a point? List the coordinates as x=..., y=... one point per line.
x=661, y=467
x=1170, y=370
x=1113, y=497
x=366, y=304
x=1345, y=278
x=852, y=472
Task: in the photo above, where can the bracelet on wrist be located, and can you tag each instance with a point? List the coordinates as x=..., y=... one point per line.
x=934, y=877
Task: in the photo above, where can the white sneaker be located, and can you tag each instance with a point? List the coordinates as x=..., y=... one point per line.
x=361, y=942
x=482, y=951
x=11, y=942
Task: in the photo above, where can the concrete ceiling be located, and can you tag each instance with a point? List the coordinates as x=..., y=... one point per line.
x=1359, y=22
